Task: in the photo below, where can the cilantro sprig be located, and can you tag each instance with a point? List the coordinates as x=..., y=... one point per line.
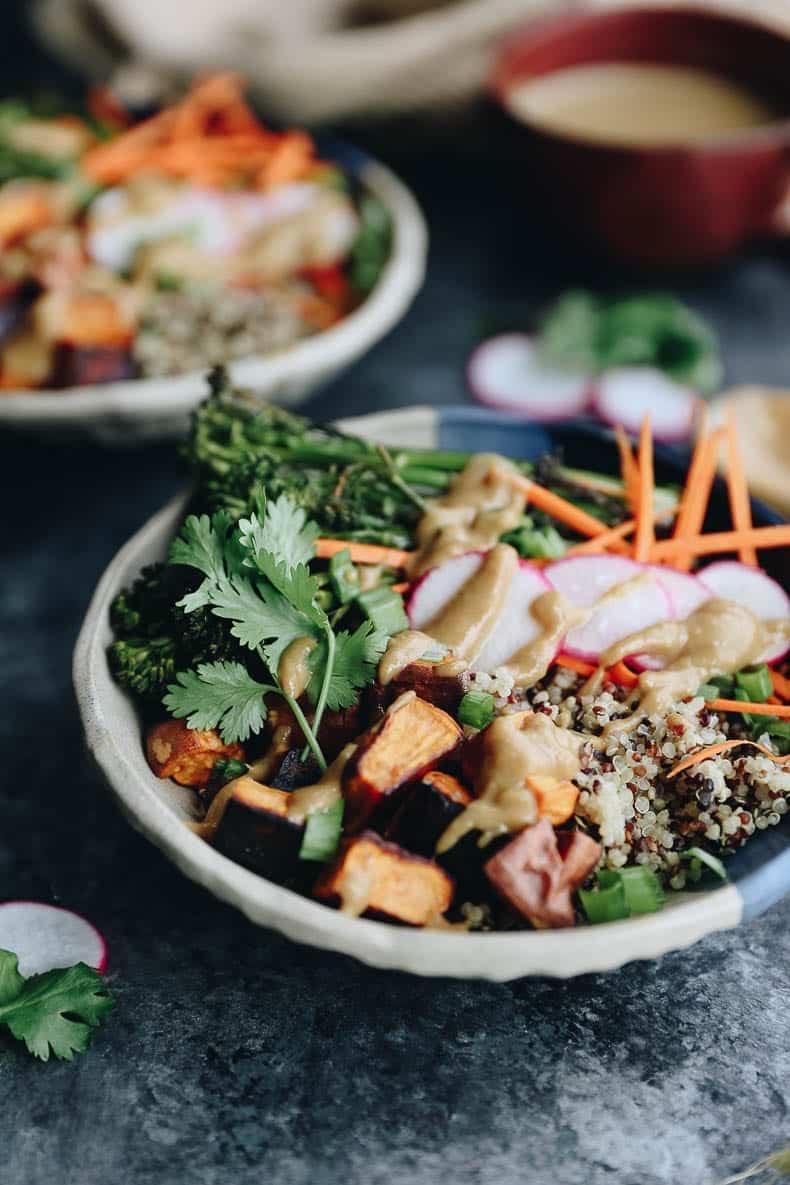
x=53, y=1013
x=256, y=574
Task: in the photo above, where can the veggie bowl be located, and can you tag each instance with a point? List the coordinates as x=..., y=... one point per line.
x=481, y=792
x=134, y=257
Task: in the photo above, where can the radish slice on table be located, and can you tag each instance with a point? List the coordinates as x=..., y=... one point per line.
x=507, y=372
x=45, y=937
x=752, y=588
x=624, y=396
x=515, y=627
x=438, y=586
x=686, y=593
x=584, y=580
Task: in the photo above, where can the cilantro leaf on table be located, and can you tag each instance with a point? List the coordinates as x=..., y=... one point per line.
x=54, y=1012
x=356, y=659
x=281, y=532
x=219, y=695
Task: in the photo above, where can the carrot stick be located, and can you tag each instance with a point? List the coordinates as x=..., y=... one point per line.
x=629, y=469
x=363, y=553
x=600, y=543
x=696, y=493
x=574, y=664
x=738, y=705
x=781, y=685
x=717, y=541
x=645, y=526
x=737, y=489
x=554, y=505
x=622, y=675
x=619, y=673
x=721, y=747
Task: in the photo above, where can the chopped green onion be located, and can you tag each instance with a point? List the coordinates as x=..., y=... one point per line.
x=322, y=833
x=699, y=856
x=169, y=282
x=226, y=769
x=751, y=721
x=641, y=886
x=476, y=709
x=604, y=905
x=530, y=542
x=709, y=691
x=434, y=653
x=725, y=684
x=756, y=683
x=343, y=577
x=384, y=608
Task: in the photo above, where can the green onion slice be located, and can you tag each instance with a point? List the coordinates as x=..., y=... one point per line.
x=343, y=577
x=641, y=886
x=385, y=609
x=604, y=905
x=322, y=833
x=756, y=683
x=476, y=709
x=708, y=859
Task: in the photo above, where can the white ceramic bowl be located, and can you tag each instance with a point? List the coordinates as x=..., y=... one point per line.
x=159, y=808
x=138, y=410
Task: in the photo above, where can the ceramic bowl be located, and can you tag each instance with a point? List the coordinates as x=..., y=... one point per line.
x=139, y=410
x=760, y=873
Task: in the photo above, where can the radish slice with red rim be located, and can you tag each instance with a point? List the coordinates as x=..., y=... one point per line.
x=624, y=396
x=584, y=581
x=437, y=587
x=45, y=937
x=686, y=592
x=752, y=588
x=515, y=627
x=507, y=373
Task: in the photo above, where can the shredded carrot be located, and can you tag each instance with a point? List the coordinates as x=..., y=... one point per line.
x=781, y=685
x=619, y=673
x=622, y=675
x=696, y=493
x=629, y=469
x=721, y=747
x=737, y=489
x=363, y=553
x=738, y=705
x=574, y=664
x=645, y=526
x=289, y=161
x=556, y=506
x=718, y=541
x=600, y=543
x=402, y=587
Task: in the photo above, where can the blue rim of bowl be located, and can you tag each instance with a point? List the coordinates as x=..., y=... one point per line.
x=760, y=871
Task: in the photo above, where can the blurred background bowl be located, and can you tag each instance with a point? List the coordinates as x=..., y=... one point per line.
x=658, y=206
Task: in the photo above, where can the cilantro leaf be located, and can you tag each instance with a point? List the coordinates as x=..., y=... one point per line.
x=201, y=545
x=281, y=533
x=219, y=695
x=356, y=659
x=53, y=1012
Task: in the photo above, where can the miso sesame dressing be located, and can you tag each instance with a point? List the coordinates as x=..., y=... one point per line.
x=466, y=622
x=480, y=507
x=324, y=793
x=719, y=638
x=514, y=747
x=293, y=670
x=402, y=649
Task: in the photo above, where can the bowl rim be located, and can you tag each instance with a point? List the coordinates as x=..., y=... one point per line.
x=165, y=399
x=546, y=26
x=494, y=956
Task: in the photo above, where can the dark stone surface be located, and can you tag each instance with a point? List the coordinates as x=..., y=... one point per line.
x=235, y=1057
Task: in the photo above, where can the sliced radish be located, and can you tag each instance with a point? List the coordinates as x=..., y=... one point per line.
x=686, y=593
x=585, y=579
x=45, y=937
x=507, y=372
x=438, y=586
x=515, y=627
x=752, y=588
x=625, y=395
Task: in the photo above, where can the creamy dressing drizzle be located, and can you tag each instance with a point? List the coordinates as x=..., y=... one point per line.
x=322, y=794
x=556, y=616
x=402, y=649
x=514, y=747
x=479, y=507
x=466, y=622
x=293, y=670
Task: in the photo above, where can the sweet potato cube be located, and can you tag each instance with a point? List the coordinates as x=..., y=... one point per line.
x=371, y=875
x=187, y=755
x=445, y=691
x=556, y=798
x=255, y=831
x=413, y=737
x=83, y=365
x=428, y=810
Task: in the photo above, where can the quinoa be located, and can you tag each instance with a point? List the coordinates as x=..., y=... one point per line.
x=626, y=799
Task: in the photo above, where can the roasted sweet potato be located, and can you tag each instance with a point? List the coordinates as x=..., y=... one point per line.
x=413, y=737
x=75, y=365
x=255, y=831
x=430, y=806
x=184, y=754
x=424, y=678
x=531, y=874
x=371, y=875
x=556, y=798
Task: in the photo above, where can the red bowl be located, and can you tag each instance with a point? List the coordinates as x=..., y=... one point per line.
x=660, y=207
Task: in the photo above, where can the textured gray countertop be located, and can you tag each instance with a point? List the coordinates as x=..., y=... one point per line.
x=235, y=1057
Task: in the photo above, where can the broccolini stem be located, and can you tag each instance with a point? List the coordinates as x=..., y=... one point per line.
x=397, y=480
